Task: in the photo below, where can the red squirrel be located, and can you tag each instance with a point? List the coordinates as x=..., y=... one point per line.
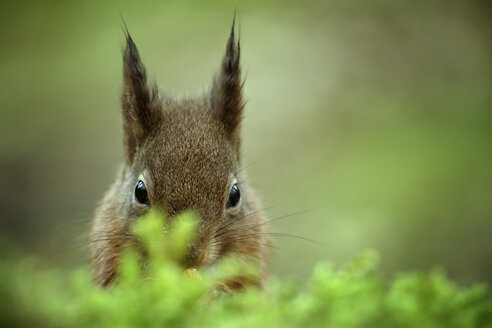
x=182, y=154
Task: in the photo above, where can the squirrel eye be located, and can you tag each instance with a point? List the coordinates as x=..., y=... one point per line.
x=141, y=194
x=234, y=196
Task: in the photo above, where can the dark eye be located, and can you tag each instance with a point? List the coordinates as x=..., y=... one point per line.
x=141, y=194
x=234, y=196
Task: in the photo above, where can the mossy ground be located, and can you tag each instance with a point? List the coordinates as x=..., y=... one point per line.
x=162, y=296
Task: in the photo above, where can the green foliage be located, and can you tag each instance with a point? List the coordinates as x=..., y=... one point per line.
x=159, y=294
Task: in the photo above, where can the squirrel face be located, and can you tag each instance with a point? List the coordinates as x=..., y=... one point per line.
x=188, y=162
x=181, y=154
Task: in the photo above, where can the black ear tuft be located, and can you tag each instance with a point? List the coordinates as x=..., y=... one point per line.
x=140, y=103
x=226, y=96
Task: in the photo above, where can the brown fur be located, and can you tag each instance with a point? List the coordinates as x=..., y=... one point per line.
x=188, y=152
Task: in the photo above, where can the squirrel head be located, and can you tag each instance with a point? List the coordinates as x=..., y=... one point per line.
x=183, y=154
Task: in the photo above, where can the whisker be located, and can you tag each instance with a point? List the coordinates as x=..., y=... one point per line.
x=239, y=239
x=237, y=172
x=83, y=218
x=110, y=239
x=215, y=235
x=275, y=234
x=281, y=218
x=244, y=168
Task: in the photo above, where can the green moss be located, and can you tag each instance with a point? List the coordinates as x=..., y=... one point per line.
x=160, y=295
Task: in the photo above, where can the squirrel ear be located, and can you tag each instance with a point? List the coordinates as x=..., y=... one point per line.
x=227, y=95
x=140, y=103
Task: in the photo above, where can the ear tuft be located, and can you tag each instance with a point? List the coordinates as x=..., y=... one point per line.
x=226, y=96
x=140, y=103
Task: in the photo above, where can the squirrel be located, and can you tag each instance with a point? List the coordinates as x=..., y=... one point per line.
x=183, y=154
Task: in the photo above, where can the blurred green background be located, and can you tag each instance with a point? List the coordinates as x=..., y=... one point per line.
x=376, y=115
